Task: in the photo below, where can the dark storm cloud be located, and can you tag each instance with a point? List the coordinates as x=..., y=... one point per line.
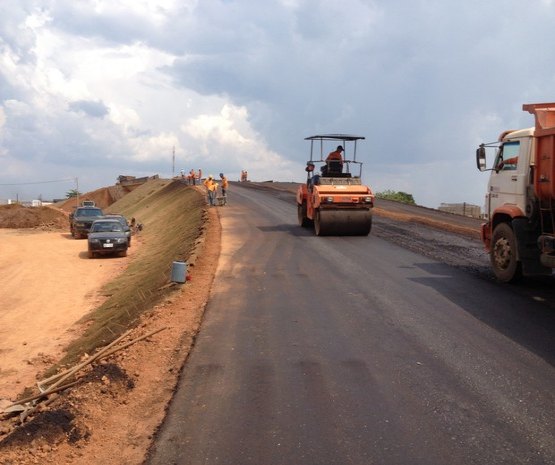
x=90, y=108
x=423, y=80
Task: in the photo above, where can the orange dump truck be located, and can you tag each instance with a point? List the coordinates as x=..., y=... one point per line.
x=520, y=202
x=333, y=199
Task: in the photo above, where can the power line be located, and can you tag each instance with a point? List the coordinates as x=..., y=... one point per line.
x=36, y=182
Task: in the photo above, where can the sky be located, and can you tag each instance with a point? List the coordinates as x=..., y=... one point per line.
x=93, y=89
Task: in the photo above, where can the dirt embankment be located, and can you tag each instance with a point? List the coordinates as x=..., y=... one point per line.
x=111, y=414
x=45, y=218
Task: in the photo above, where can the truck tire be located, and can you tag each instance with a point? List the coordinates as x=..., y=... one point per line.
x=503, y=254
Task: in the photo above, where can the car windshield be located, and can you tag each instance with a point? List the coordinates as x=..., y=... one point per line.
x=121, y=219
x=88, y=212
x=106, y=226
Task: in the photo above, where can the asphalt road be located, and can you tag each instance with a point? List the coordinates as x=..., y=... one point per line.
x=353, y=350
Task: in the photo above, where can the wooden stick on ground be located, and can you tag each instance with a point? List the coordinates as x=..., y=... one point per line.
x=105, y=352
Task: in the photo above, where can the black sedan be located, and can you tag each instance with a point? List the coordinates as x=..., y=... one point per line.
x=107, y=237
x=124, y=224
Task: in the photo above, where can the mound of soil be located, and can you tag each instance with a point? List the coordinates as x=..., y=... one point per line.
x=17, y=216
x=103, y=198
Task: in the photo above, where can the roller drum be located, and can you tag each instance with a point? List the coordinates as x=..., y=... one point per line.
x=347, y=222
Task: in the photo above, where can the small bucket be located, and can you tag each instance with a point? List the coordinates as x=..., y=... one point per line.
x=179, y=272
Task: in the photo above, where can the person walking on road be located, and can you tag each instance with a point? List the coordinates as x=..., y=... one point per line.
x=225, y=183
x=212, y=189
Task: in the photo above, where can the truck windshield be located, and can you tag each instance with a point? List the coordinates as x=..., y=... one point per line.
x=88, y=212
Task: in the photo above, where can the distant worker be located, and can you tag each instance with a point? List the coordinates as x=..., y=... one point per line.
x=224, y=187
x=199, y=175
x=192, y=175
x=212, y=190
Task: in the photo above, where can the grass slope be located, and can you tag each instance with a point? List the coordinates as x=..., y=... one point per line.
x=172, y=214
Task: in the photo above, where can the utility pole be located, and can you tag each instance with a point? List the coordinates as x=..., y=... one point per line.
x=77, y=190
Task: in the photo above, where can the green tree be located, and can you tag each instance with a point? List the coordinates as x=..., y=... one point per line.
x=399, y=196
x=72, y=193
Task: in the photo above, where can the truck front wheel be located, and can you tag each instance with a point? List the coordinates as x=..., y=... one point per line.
x=503, y=254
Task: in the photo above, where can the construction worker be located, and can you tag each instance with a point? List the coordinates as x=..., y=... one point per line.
x=224, y=188
x=224, y=185
x=212, y=189
x=192, y=176
x=336, y=155
x=334, y=160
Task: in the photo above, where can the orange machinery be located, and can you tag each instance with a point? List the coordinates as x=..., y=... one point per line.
x=333, y=199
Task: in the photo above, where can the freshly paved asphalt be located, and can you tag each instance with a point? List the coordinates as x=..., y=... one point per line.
x=351, y=350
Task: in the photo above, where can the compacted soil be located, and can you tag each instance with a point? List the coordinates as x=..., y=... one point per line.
x=48, y=284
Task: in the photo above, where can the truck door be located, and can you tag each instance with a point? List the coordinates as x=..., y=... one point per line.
x=508, y=180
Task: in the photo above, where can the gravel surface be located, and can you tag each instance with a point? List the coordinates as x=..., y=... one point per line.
x=447, y=247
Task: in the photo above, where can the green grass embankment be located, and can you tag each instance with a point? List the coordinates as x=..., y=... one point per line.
x=172, y=214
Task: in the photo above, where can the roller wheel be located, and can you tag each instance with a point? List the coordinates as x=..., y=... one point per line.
x=318, y=224
x=342, y=223
x=503, y=254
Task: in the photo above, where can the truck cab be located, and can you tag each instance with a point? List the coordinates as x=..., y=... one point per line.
x=520, y=200
x=510, y=174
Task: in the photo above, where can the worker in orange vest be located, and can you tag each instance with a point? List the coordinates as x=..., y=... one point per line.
x=336, y=160
x=224, y=187
x=212, y=188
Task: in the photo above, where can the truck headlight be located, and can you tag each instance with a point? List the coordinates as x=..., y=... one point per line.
x=329, y=199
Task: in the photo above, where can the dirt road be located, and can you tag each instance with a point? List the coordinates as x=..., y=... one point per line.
x=48, y=284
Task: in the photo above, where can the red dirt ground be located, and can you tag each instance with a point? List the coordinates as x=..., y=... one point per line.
x=111, y=415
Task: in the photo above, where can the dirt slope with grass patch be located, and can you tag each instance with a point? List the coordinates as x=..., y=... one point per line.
x=111, y=413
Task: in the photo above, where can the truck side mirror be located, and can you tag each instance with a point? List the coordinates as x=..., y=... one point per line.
x=481, y=157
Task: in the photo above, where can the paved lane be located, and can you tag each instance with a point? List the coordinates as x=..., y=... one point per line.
x=350, y=350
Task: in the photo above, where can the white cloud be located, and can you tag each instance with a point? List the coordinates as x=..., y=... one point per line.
x=237, y=84
x=228, y=136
